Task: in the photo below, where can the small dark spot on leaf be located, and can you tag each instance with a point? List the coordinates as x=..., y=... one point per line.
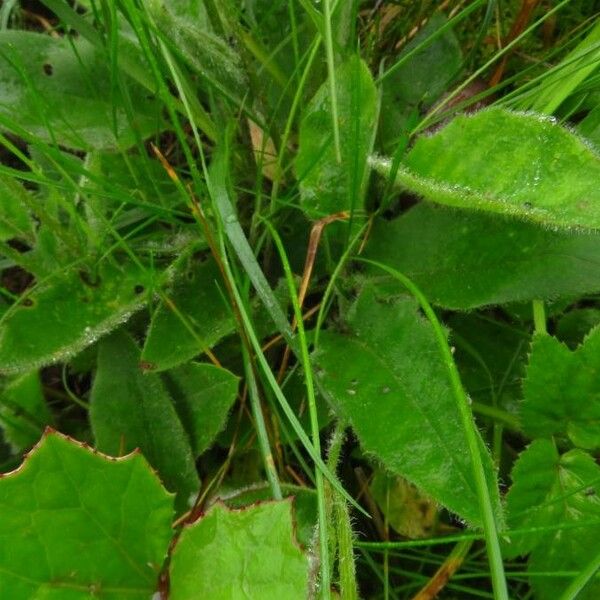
x=147, y=366
x=48, y=69
x=590, y=492
x=28, y=302
x=88, y=279
x=138, y=289
x=527, y=205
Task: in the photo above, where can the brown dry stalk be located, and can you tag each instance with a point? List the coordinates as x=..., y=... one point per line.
x=311, y=254
x=448, y=568
x=519, y=25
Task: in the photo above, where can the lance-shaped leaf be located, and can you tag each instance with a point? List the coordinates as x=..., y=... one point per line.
x=75, y=524
x=511, y=163
x=203, y=395
x=67, y=313
x=562, y=390
x=59, y=90
x=228, y=551
x=327, y=185
x=395, y=392
x=464, y=259
x=560, y=495
x=130, y=409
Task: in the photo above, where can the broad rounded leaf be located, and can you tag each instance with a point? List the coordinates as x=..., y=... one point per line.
x=230, y=554
x=60, y=90
x=464, y=259
x=512, y=163
x=395, y=392
x=75, y=524
x=69, y=312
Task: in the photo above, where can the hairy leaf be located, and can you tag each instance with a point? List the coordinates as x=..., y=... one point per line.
x=203, y=395
x=562, y=390
x=23, y=410
x=77, y=525
x=464, y=260
x=195, y=318
x=228, y=551
x=68, y=312
x=395, y=392
x=561, y=496
x=15, y=221
x=326, y=185
x=419, y=80
x=208, y=54
x=131, y=410
x=510, y=163
x=59, y=90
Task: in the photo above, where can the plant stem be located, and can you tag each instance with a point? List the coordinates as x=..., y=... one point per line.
x=261, y=429
x=539, y=316
x=312, y=410
x=331, y=73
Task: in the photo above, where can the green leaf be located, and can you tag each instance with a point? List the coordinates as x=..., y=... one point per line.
x=206, y=53
x=395, y=392
x=305, y=505
x=131, y=410
x=203, y=395
x=510, y=163
x=250, y=552
x=463, y=260
x=562, y=390
x=327, y=186
x=60, y=90
x=562, y=495
x=419, y=80
x=77, y=525
x=201, y=318
x=67, y=313
x=573, y=326
x=24, y=413
x=15, y=221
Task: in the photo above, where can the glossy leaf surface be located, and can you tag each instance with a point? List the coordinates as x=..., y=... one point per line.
x=76, y=525
x=326, y=185
x=561, y=494
x=228, y=551
x=463, y=260
x=131, y=410
x=510, y=163
x=562, y=390
x=395, y=392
